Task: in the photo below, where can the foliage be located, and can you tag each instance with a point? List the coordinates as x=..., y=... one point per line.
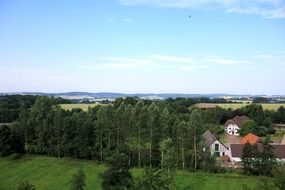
x=78, y=181
x=164, y=134
x=9, y=141
x=248, y=126
x=25, y=185
x=258, y=159
x=10, y=106
x=279, y=177
x=15, y=156
x=279, y=116
x=154, y=179
x=117, y=176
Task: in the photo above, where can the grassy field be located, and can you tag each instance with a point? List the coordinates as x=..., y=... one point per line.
x=54, y=174
x=84, y=107
x=237, y=105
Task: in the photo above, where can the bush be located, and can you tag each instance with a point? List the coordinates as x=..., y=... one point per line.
x=15, y=156
x=25, y=185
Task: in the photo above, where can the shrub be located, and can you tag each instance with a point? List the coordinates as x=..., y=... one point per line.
x=15, y=156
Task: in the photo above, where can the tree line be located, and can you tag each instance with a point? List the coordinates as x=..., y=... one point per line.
x=150, y=133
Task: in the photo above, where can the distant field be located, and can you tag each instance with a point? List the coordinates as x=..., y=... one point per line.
x=237, y=106
x=84, y=107
x=48, y=173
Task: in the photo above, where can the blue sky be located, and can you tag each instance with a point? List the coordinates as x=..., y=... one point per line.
x=139, y=46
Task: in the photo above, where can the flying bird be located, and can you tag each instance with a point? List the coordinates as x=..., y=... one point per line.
x=189, y=16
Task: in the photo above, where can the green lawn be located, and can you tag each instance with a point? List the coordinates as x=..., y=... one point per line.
x=54, y=174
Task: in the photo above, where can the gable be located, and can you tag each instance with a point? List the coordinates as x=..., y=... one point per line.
x=250, y=138
x=209, y=138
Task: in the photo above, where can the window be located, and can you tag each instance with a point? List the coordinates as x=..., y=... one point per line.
x=216, y=147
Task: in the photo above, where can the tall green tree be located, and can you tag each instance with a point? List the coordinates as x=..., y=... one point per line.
x=154, y=135
x=118, y=176
x=196, y=125
x=153, y=179
x=41, y=118
x=279, y=177
x=249, y=159
x=24, y=125
x=58, y=126
x=268, y=158
x=182, y=138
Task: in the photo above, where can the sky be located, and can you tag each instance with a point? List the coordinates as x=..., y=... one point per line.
x=143, y=46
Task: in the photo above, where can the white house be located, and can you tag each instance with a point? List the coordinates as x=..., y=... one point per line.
x=216, y=147
x=232, y=126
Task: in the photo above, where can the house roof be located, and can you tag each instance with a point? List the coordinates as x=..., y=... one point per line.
x=250, y=138
x=209, y=138
x=283, y=140
x=236, y=120
x=278, y=149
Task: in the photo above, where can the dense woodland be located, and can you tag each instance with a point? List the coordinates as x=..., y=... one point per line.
x=164, y=134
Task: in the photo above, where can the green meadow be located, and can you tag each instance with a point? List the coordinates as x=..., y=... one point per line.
x=48, y=173
x=84, y=107
x=237, y=105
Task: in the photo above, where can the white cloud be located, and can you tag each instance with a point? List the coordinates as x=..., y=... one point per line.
x=164, y=62
x=167, y=58
x=225, y=61
x=265, y=8
x=272, y=58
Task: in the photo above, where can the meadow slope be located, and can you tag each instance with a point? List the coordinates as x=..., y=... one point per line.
x=48, y=173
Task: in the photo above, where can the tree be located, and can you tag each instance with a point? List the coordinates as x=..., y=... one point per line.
x=117, y=176
x=268, y=159
x=10, y=141
x=78, y=181
x=279, y=177
x=255, y=112
x=41, y=118
x=154, y=135
x=168, y=158
x=139, y=122
x=248, y=126
x=23, y=124
x=153, y=179
x=182, y=138
x=249, y=158
x=58, y=125
x=25, y=185
x=196, y=124
x=5, y=140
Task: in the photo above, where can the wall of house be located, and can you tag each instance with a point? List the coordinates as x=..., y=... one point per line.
x=222, y=150
x=232, y=129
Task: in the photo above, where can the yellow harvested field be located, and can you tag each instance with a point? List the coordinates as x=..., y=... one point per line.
x=237, y=106
x=84, y=107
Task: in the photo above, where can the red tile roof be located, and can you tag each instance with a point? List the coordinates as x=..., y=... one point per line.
x=250, y=138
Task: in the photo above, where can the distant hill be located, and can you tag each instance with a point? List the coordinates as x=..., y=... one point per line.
x=112, y=95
